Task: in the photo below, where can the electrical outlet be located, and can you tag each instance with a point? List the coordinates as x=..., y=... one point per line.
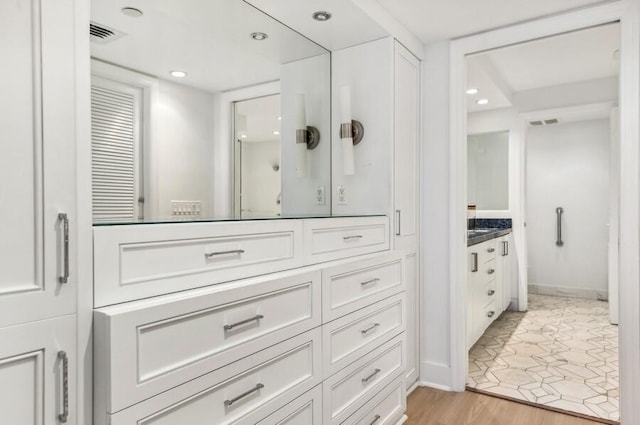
x=320, y=195
x=342, y=195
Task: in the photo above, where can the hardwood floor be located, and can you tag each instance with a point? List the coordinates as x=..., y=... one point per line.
x=427, y=406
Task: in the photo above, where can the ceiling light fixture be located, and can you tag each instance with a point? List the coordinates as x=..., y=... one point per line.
x=178, y=74
x=321, y=16
x=244, y=136
x=482, y=101
x=276, y=133
x=132, y=12
x=472, y=91
x=259, y=36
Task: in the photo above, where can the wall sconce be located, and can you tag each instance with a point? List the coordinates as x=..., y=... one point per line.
x=307, y=137
x=351, y=132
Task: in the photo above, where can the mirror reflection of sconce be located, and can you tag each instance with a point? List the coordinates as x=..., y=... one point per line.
x=351, y=132
x=307, y=137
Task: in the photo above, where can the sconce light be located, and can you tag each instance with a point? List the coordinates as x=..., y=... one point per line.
x=307, y=137
x=351, y=132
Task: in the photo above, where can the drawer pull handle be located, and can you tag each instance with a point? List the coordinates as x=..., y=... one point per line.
x=64, y=218
x=491, y=250
x=369, y=329
x=474, y=263
x=370, y=377
x=491, y=271
x=228, y=403
x=376, y=418
x=242, y=322
x=64, y=359
x=348, y=238
x=232, y=251
x=491, y=314
x=491, y=292
x=369, y=282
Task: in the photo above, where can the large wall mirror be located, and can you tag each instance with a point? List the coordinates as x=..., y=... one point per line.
x=206, y=109
x=488, y=171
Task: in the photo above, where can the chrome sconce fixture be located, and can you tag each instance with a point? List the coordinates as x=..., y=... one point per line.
x=351, y=132
x=307, y=137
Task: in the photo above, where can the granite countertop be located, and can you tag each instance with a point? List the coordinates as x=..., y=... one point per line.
x=477, y=236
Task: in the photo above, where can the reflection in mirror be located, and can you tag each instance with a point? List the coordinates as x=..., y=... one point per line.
x=257, y=132
x=168, y=81
x=488, y=171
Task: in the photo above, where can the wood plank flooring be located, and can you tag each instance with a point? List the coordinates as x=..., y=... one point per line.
x=427, y=406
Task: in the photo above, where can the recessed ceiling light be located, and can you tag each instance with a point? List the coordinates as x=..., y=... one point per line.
x=321, y=16
x=482, y=101
x=472, y=91
x=259, y=36
x=276, y=133
x=244, y=136
x=178, y=74
x=279, y=118
x=132, y=12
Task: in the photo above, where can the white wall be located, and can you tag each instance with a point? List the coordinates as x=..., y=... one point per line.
x=183, y=146
x=368, y=70
x=260, y=182
x=436, y=283
x=568, y=166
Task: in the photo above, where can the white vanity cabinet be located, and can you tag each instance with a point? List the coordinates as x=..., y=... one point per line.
x=37, y=169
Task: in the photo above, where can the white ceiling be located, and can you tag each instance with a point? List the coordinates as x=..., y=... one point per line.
x=432, y=20
x=209, y=39
x=569, y=58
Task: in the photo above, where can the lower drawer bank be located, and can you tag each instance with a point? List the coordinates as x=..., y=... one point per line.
x=242, y=393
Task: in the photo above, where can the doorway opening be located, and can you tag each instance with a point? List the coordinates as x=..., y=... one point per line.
x=543, y=152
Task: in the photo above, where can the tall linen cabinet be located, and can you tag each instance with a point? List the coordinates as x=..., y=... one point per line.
x=37, y=170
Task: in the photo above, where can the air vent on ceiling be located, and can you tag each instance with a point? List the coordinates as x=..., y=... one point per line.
x=539, y=123
x=103, y=34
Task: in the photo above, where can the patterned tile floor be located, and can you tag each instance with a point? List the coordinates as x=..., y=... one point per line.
x=562, y=353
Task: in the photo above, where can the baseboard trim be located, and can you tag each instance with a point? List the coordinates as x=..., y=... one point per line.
x=436, y=386
x=413, y=387
x=564, y=291
x=436, y=375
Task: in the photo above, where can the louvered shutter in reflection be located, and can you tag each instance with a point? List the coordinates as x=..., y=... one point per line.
x=114, y=149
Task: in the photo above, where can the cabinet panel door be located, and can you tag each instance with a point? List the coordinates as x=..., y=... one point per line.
x=32, y=372
x=413, y=319
x=36, y=164
x=406, y=149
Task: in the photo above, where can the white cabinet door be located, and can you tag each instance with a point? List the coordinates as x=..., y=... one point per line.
x=37, y=159
x=33, y=385
x=413, y=319
x=406, y=148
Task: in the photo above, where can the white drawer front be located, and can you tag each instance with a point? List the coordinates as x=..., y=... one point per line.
x=332, y=239
x=141, y=261
x=242, y=393
x=355, y=285
x=385, y=408
x=305, y=410
x=349, y=389
x=350, y=337
x=148, y=347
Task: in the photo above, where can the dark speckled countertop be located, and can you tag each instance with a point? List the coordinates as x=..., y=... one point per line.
x=477, y=236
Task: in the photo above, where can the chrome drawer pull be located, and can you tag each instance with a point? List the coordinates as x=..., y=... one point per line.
x=376, y=418
x=242, y=322
x=474, y=257
x=368, y=378
x=348, y=238
x=232, y=251
x=369, y=329
x=491, y=292
x=491, y=271
x=64, y=416
x=65, y=247
x=491, y=250
x=258, y=387
x=491, y=314
x=370, y=281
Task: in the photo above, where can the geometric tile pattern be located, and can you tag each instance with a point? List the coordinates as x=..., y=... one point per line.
x=563, y=353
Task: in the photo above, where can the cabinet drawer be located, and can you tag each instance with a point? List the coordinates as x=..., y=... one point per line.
x=333, y=239
x=346, y=339
x=305, y=410
x=140, y=261
x=488, y=314
x=357, y=284
x=147, y=347
x=489, y=293
x=385, y=408
x=242, y=393
x=346, y=391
